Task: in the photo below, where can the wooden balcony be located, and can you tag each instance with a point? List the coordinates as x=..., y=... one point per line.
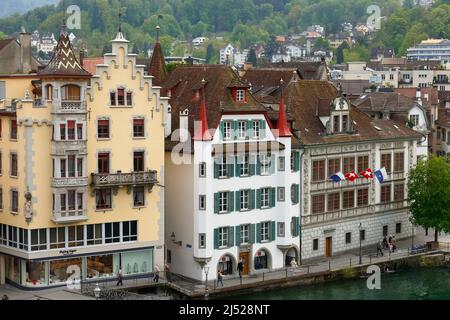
x=146, y=178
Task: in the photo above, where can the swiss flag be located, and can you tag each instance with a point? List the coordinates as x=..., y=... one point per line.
x=368, y=174
x=351, y=176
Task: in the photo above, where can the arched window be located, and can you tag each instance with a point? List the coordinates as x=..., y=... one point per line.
x=261, y=260
x=49, y=92
x=71, y=92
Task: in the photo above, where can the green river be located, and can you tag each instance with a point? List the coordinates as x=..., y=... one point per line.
x=417, y=284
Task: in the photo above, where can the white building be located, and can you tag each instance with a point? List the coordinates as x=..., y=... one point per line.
x=199, y=41
x=236, y=197
x=227, y=54
x=296, y=52
x=431, y=49
x=47, y=43
x=404, y=110
x=335, y=136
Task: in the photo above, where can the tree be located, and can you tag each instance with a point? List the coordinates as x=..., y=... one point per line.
x=209, y=53
x=252, y=57
x=429, y=194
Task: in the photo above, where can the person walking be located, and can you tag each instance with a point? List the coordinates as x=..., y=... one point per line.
x=5, y=297
x=380, y=248
x=167, y=272
x=385, y=243
x=219, y=279
x=240, y=268
x=293, y=263
x=120, y=278
x=156, y=276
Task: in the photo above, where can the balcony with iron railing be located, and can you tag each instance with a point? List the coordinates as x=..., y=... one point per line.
x=70, y=182
x=70, y=216
x=444, y=80
x=119, y=179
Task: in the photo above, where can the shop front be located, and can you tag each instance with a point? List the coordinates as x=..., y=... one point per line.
x=66, y=270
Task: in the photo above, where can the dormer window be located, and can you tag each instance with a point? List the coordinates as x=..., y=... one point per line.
x=344, y=123
x=335, y=123
x=240, y=95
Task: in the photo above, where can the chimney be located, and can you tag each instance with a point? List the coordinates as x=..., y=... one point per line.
x=190, y=61
x=184, y=125
x=25, y=52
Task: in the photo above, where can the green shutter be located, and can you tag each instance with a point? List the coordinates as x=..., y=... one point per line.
x=230, y=237
x=238, y=200
x=272, y=230
x=296, y=162
x=216, y=169
x=238, y=166
x=258, y=165
x=263, y=129
x=216, y=239
x=252, y=200
x=258, y=232
x=297, y=226
x=252, y=165
x=221, y=130
x=250, y=129
x=234, y=132
x=230, y=201
x=297, y=193
x=272, y=196
x=252, y=233
x=258, y=198
x=238, y=235
x=272, y=164
x=216, y=202
x=230, y=166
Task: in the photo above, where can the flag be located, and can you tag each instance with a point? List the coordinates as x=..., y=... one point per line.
x=337, y=177
x=352, y=176
x=368, y=174
x=381, y=174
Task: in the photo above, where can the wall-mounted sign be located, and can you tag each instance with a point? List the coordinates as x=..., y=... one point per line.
x=67, y=252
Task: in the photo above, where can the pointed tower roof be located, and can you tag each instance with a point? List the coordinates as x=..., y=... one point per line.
x=157, y=67
x=201, y=132
x=64, y=62
x=282, y=124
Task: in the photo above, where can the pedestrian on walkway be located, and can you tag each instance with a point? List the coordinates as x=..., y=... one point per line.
x=219, y=279
x=168, y=274
x=120, y=278
x=385, y=243
x=5, y=297
x=240, y=268
x=293, y=263
x=380, y=248
x=156, y=276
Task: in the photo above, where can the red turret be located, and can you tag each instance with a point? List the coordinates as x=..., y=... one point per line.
x=202, y=132
x=282, y=124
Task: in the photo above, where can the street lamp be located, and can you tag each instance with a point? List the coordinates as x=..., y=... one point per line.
x=412, y=232
x=360, y=243
x=206, y=269
x=173, y=238
x=97, y=291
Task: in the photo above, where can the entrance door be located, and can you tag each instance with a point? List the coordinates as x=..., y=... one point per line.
x=328, y=243
x=245, y=257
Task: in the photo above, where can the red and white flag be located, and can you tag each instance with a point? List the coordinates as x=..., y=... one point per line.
x=351, y=176
x=368, y=174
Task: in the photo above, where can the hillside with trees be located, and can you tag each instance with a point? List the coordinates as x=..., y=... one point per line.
x=244, y=22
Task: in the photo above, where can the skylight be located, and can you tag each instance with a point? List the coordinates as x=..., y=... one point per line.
x=377, y=128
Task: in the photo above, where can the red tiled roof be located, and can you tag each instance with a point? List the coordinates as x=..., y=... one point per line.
x=184, y=81
x=90, y=64
x=303, y=98
x=433, y=98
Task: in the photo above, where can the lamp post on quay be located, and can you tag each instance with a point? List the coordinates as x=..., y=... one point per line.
x=360, y=243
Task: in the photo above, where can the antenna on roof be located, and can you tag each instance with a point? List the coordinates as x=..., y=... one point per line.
x=120, y=20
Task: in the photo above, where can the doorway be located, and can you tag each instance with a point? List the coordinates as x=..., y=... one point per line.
x=328, y=246
x=244, y=257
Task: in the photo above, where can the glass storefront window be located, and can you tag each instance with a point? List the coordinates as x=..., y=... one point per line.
x=135, y=262
x=12, y=269
x=35, y=274
x=59, y=269
x=102, y=266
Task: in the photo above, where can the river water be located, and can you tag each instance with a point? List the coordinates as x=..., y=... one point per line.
x=417, y=284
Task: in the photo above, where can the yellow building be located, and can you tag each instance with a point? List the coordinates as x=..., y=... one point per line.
x=82, y=168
